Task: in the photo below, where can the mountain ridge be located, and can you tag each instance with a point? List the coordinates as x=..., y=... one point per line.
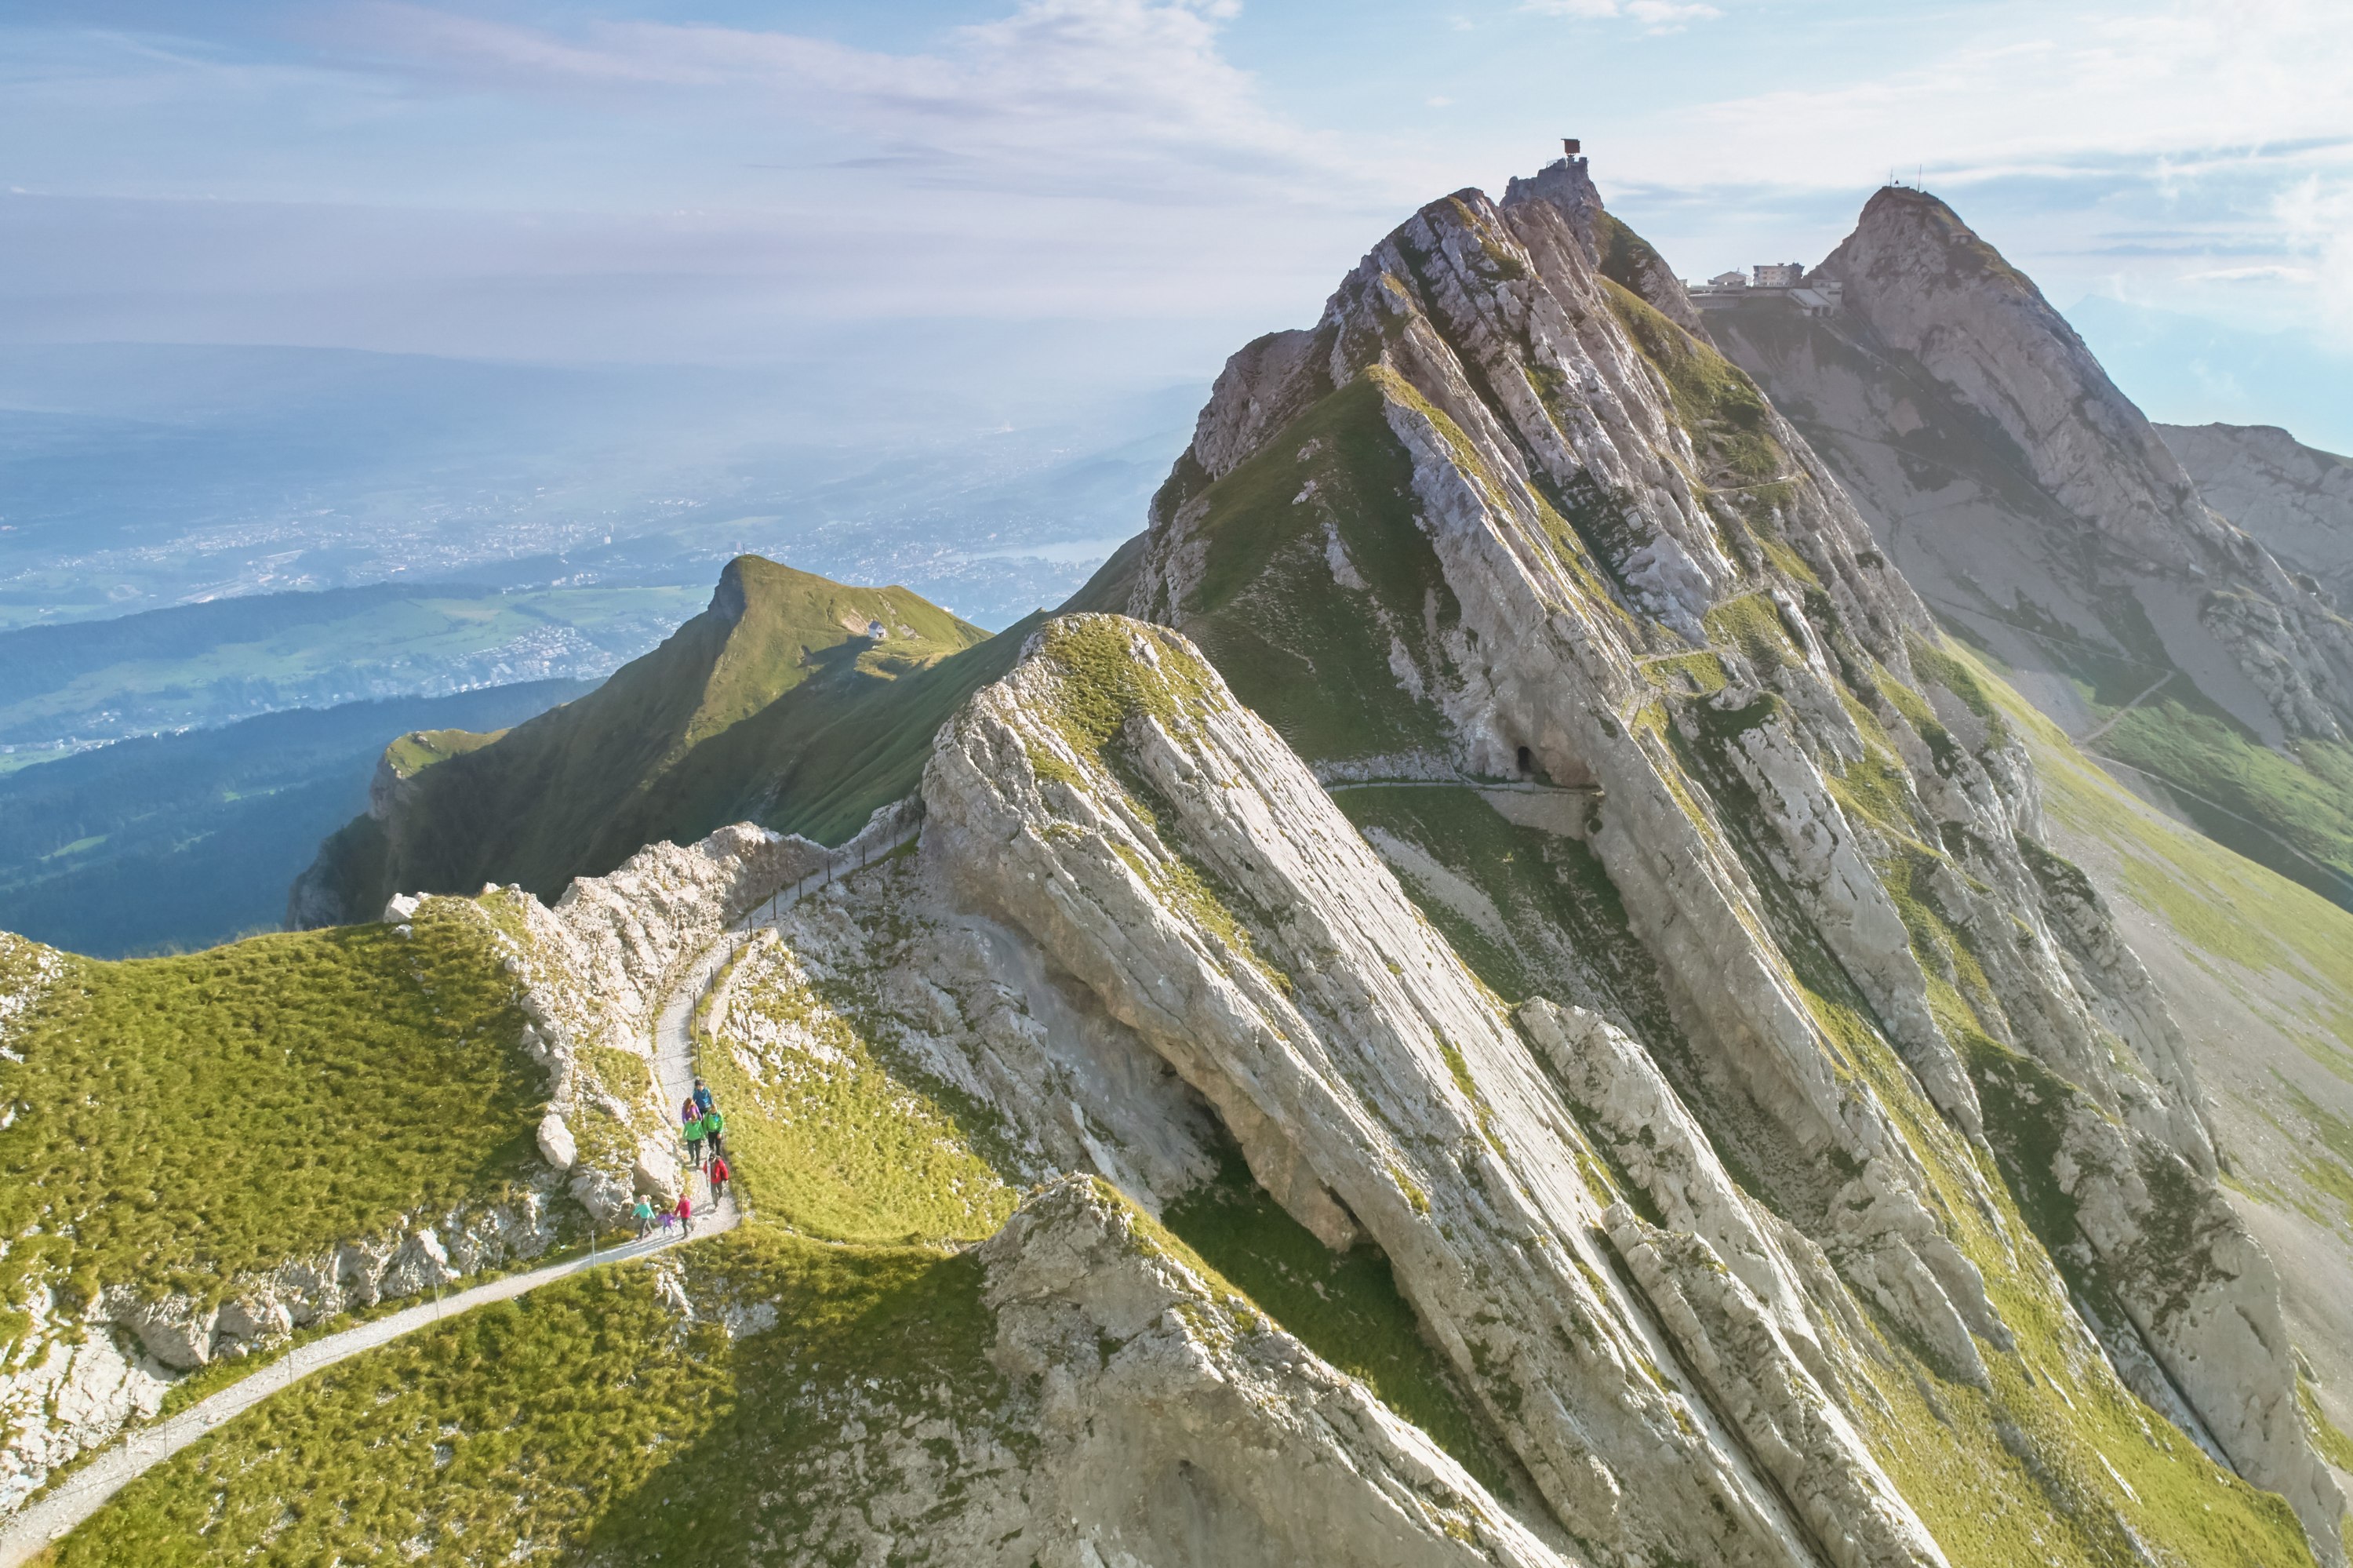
x=578, y=790
x=1509, y=852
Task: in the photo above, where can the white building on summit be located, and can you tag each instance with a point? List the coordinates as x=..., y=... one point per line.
x=1777, y=281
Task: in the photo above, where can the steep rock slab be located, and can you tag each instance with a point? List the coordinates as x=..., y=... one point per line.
x=1508, y=373
x=1175, y=1423
x=1458, y=536
x=1110, y=800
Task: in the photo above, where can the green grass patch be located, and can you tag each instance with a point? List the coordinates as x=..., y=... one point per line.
x=2326, y=1435
x=1343, y=1305
x=1311, y=657
x=1958, y=676
x=1727, y=416
x=587, y=1420
x=2302, y=803
x=831, y=1136
x=1752, y=623
x=180, y=1120
x=773, y=706
x=411, y=754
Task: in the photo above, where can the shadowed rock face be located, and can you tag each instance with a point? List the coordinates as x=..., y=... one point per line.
x=2296, y=499
x=2023, y=492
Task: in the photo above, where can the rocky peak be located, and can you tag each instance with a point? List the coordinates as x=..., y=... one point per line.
x=1921, y=284
x=1930, y=287
x=1615, y=249
x=1498, y=528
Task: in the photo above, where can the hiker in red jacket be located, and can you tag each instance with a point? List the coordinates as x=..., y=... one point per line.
x=685, y=1213
x=717, y=1173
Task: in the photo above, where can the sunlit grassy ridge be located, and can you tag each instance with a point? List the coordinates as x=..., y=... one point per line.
x=773, y=706
x=177, y=1121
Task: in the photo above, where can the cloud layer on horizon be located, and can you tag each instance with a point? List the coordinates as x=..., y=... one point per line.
x=463, y=176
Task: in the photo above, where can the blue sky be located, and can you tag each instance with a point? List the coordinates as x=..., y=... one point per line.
x=1151, y=181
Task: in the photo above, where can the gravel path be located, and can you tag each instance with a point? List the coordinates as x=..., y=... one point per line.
x=24, y=1536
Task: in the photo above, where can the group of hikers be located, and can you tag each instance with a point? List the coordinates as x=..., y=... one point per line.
x=705, y=1132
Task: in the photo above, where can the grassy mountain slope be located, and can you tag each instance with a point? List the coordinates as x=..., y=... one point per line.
x=777, y=680
x=587, y=1421
x=176, y=1121
x=179, y=842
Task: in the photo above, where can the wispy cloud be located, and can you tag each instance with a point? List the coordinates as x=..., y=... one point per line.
x=1656, y=16
x=1080, y=92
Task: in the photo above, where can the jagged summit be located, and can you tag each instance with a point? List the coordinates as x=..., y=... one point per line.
x=1617, y=250
x=1525, y=568
x=1930, y=287
x=2049, y=510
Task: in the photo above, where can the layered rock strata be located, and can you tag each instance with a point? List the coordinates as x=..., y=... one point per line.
x=1177, y=1424
x=1593, y=560
x=1113, y=803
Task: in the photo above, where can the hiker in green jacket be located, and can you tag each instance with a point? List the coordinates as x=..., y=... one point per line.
x=694, y=1130
x=713, y=1125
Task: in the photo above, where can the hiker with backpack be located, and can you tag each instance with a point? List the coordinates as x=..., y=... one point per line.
x=717, y=1174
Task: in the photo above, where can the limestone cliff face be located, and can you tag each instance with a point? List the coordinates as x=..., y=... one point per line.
x=1564, y=564
x=1113, y=803
x=2023, y=491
